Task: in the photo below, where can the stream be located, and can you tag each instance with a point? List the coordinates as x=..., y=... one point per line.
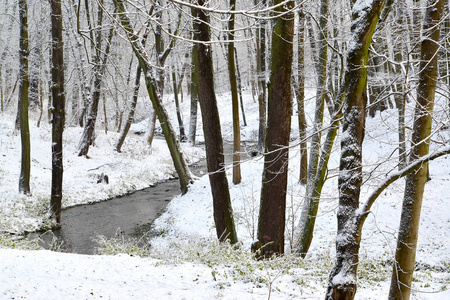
x=128, y=216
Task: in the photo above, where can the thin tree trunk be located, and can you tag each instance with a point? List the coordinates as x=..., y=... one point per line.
x=320, y=98
x=238, y=77
x=180, y=164
x=34, y=73
x=194, y=97
x=234, y=98
x=223, y=212
x=182, y=74
x=58, y=117
x=316, y=176
x=130, y=118
x=405, y=256
x=272, y=214
x=99, y=70
x=137, y=85
x=305, y=228
x=177, y=107
x=105, y=115
x=261, y=71
x=301, y=99
x=25, y=165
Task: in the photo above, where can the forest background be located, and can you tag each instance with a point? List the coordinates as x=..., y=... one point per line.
x=101, y=87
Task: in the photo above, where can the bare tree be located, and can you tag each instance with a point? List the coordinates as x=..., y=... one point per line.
x=194, y=97
x=223, y=212
x=137, y=84
x=25, y=166
x=100, y=60
x=179, y=162
x=300, y=94
x=272, y=213
x=234, y=98
x=342, y=281
x=405, y=256
x=177, y=106
x=58, y=111
x=261, y=71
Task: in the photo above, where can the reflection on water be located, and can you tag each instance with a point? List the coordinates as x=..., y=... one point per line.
x=129, y=216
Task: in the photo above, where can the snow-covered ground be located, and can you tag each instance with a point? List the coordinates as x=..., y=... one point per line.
x=184, y=260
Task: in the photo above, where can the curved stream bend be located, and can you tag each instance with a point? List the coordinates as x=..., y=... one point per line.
x=128, y=216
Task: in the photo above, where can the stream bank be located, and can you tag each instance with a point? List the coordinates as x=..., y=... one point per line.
x=130, y=216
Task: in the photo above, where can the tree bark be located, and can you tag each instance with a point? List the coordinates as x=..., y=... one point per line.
x=177, y=107
x=137, y=85
x=25, y=165
x=261, y=71
x=301, y=99
x=99, y=70
x=223, y=212
x=194, y=97
x=343, y=276
x=130, y=117
x=320, y=96
x=314, y=187
x=239, y=85
x=234, y=98
x=272, y=214
x=179, y=162
x=405, y=255
x=58, y=103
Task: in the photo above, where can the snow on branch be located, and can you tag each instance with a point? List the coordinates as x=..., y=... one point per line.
x=363, y=213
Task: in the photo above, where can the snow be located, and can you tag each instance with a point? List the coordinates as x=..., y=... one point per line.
x=185, y=260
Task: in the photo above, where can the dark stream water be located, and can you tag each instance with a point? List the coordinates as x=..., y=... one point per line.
x=128, y=216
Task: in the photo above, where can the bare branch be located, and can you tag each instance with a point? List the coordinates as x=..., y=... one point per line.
x=417, y=164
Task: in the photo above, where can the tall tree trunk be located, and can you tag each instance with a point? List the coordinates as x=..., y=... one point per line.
x=405, y=255
x=99, y=71
x=234, y=98
x=272, y=214
x=320, y=96
x=301, y=98
x=223, y=212
x=261, y=71
x=317, y=167
x=400, y=87
x=194, y=97
x=24, y=180
x=179, y=162
x=305, y=228
x=342, y=281
x=162, y=53
x=58, y=116
x=314, y=184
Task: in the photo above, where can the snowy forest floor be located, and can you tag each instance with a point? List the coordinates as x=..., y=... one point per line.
x=184, y=260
